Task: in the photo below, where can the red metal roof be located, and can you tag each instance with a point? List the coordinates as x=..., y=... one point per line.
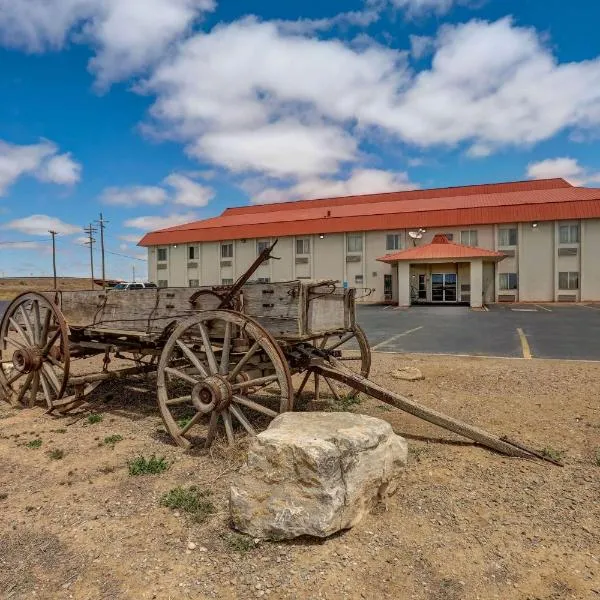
x=520, y=203
x=441, y=248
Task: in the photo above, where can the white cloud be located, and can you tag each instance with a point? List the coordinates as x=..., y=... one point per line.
x=128, y=35
x=123, y=246
x=421, y=45
x=134, y=195
x=61, y=169
x=361, y=181
x=152, y=223
x=567, y=168
x=37, y=246
x=131, y=238
x=356, y=18
x=38, y=160
x=188, y=192
x=421, y=7
x=41, y=225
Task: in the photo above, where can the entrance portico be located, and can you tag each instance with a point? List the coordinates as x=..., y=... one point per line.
x=444, y=272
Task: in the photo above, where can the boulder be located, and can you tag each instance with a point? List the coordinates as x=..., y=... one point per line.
x=315, y=473
x=408, y=374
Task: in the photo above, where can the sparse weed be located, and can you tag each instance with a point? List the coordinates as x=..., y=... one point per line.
x=95, y=418
x=3, y=495
x=111, y=440
x=190, y=500
x=417, y=452
x=552, y=453
x=344, y=404
x=60, y=430
x=34, y=444
x=147, y=466
x=597, y=457
x=56, y=454
x=239, y=542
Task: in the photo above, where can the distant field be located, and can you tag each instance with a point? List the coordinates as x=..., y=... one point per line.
x=13, y=286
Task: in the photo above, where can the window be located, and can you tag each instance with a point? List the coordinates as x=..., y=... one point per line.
x=354, y=242
x=194, y=282
x=226, y=281
x=449, y=236
x=163, y=283
x=568, y=234
x=468, y=238
x=392, y=241
x=262, y=245
x=136, y=286
x=161, y=255
x=507, y=237
x=568, y=280
x=303, y=246
x=227, y=250
x=150, y=285
x=508, y=281
x=358, y=279
x=263, y=280
x=193, y=252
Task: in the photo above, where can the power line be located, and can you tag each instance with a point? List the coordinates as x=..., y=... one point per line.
x=127, y=256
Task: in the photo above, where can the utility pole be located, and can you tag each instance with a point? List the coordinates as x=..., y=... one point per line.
x=90, y=230
x=133, y=268
x=102, y=224
x=53, y=234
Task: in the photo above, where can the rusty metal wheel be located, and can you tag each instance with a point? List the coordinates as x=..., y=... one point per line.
x=352, y=350
x=221, y=366
x=34, y=346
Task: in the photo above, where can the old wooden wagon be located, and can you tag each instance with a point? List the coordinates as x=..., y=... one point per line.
x=230, y=357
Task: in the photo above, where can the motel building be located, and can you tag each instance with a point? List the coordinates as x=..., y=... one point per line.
x=531, y=241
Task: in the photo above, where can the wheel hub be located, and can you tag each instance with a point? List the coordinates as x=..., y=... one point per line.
x=26, y=360
x=213, y=393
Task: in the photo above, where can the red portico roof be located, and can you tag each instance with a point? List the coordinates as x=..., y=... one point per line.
x=441, y=248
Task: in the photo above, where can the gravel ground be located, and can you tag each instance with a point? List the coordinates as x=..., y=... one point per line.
x=465, y=524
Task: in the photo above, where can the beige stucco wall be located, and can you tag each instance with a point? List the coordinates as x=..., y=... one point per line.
x=536, y=261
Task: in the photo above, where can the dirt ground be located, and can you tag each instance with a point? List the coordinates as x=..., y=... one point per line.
x=465, y=524
x=13, y=286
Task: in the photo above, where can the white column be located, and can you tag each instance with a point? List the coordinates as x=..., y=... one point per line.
x=476, y=283
x=403, y=283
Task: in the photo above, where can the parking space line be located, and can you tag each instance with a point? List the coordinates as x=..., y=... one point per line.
x=591, y=307
x=524, y=343
x=395, y=337
x=543, y=307
x=489, y=356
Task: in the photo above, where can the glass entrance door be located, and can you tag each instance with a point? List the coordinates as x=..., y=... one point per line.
x=443, y=287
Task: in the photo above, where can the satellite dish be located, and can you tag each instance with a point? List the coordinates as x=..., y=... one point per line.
x=415, y=235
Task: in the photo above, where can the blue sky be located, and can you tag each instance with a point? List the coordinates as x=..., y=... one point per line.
x=156, y=112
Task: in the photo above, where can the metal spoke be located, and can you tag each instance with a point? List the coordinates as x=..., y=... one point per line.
x=24, y=387
x=180, y=400
x=35, y=305
x=180, y=375
x=341, y=341
x=226, y=350
x=192, y=358
x=261, y=381
x=210, y=355
x=19, y=330
x=191, y=423
x=244, y=360
x=228, y=426
x=47, y=394
x=332, y=388
x=212, y=429
x=28, y=325
x=35, y=385
x=239, y=415
x=51, y=342
x=255, y=406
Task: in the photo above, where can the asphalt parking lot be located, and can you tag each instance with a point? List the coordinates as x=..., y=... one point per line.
x=504, y=330
x=517, y=331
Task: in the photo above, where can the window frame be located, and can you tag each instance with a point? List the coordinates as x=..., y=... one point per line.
x=305, y=243
x=193, y=253
x=357, y=278
x=355, y=237
x=398, y=241
x=508, y=287
x=570, y=229
x=226, y=281
x=196, y=284
x=226, y=254
x=159, y=251
x=509, y=230
x=572, y=282
x=469, y=233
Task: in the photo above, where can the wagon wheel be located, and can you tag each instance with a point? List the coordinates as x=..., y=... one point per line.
x=352, y=351
x=223, y=365
x=34, y=344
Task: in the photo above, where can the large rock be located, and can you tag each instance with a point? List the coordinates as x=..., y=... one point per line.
x=315, y=474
